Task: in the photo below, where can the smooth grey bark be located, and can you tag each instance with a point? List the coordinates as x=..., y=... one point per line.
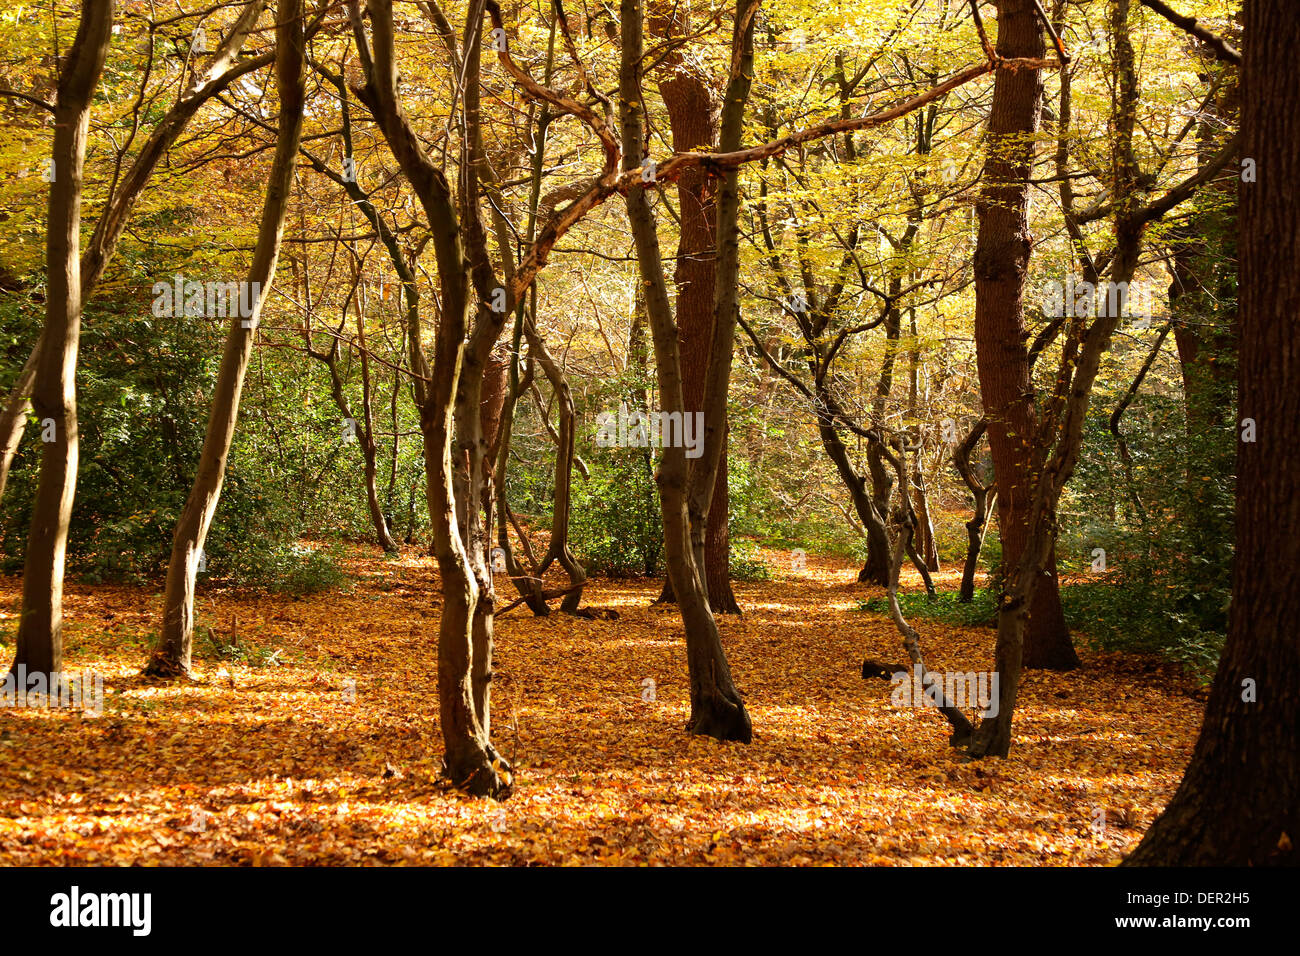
x=448, y=400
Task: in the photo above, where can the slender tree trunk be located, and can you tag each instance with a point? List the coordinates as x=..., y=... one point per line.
x=1001, y=264
x=13, y=420
x=369, y=447
x=526, y=579
x=716, y=707
x=876, y=568
x=976, y=526
x=962, y=729
x=364, y=428
x=54, y=394
x=558, y=547
x=495, y=386
x=172, y=656
x=1239, y=800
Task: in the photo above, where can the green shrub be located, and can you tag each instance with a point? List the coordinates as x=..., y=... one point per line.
x=287, y=568
x=745, y=563
x=616, y=528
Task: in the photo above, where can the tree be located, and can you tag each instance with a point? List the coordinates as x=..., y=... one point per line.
x=1239, y=801
x=692, y=119
x=205, y=83
x=1001, y=264
x=716, y=706
x=54, y=389
x=1052, y=449
x=171, y=656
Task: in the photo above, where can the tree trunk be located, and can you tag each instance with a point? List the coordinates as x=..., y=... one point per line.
x=876, y=568
x=1001, y=264
x=691, y=119
x=364, y=430
x=495, y=385
x=13, y=420
x=558, y=547
x=973, y=476
x=54, y=395
x=369, y=447
x=172, y=656
x=1239, y=801
x=716, y=707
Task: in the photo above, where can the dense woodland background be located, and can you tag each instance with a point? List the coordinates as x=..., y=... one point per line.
x=959, y=290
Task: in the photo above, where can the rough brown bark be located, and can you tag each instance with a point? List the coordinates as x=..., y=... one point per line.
x=54, y=392
x=692, y=123
x=1001, y=264
x=716, y=707
x=1239, y=800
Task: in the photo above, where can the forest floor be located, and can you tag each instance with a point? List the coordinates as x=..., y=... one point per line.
x=316, y=740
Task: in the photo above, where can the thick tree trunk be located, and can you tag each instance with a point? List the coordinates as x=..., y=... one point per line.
x=54, y=394
x=691, y=119
x=1001, y=264
x=172, y=656
x=450, y=389
x=1239, y=801
x=716, y=706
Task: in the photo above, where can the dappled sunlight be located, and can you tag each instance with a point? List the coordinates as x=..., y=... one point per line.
x=329, y=751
